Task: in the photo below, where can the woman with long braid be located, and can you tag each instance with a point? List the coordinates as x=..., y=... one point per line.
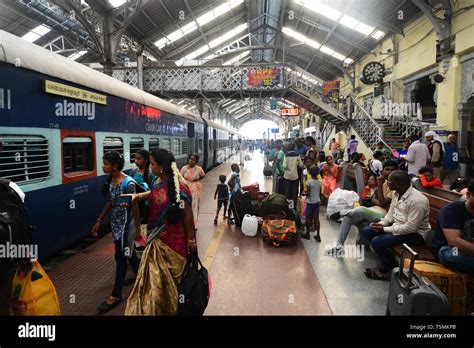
x=171, y=237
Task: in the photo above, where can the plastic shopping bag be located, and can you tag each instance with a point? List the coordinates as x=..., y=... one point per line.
x=341, y=200
x=33, y=293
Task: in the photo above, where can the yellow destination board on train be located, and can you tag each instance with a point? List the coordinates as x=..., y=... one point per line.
x=73, y=92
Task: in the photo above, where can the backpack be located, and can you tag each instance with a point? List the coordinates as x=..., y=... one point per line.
x=372, y=171
x=14, y=223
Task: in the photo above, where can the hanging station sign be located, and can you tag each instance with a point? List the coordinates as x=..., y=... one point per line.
x=265, y=77
x=331, y=89
x=289, y=111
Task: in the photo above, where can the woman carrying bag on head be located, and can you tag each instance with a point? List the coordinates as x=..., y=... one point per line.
x=171, y=238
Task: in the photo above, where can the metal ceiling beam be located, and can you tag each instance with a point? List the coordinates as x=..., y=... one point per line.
x=191, y=43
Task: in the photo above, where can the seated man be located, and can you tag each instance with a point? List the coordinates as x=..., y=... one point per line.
x=407, y=221
x=357, y=216
x=453, y=242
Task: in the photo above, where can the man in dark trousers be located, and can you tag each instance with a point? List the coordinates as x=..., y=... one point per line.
x=407, y=221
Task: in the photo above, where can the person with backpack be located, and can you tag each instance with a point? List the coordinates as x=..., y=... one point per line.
x=12, y=200
x=124, y=222
x=375, y=164
x=234, y=187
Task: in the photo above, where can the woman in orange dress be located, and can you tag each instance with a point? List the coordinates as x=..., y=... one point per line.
x=330, y=176
x=193, y=173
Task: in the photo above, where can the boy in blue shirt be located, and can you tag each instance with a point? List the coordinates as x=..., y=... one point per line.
x=313, y=197
x=222, y=194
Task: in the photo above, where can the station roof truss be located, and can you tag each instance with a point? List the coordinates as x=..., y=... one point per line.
x=320, y=37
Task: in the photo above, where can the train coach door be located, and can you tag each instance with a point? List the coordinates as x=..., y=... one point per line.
x=214, y=146
x=191, y=139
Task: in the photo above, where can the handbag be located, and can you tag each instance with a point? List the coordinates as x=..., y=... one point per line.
x=194, y=290
x=33, y=293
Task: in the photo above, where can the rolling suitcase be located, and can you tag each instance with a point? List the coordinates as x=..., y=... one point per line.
x=410, y=294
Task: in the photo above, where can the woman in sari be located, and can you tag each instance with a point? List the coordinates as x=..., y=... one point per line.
x=171, y=237
x=193, y=173
x=330, y=176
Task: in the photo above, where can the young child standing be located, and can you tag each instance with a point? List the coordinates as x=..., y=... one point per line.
x=222, y=194
x=313, y=198
x=124, y=221
x=234, y=186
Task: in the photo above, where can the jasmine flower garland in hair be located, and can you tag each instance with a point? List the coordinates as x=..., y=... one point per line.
x=176, y=173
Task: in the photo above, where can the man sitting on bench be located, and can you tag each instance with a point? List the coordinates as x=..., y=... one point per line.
x=407, y=221
x=358, y=216
x=453, y=242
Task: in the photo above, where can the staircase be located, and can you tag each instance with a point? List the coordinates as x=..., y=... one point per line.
x=391, y=135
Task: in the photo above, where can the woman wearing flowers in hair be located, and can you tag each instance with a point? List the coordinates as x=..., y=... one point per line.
x=171, y=237
x=193, y=173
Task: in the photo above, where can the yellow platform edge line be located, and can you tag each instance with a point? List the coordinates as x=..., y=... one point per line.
x=214, y=245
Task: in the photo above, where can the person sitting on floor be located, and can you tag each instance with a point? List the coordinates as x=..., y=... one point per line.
x=427, y=179
x=358, y=216
x=453, y=242
x=407, y=221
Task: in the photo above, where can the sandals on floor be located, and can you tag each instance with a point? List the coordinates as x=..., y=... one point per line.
x=374, y=273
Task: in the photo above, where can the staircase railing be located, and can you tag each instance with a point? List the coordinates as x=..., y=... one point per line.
x=365, y=126
x=326, y=133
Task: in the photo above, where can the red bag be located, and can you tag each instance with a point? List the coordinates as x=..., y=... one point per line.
x=252, y=189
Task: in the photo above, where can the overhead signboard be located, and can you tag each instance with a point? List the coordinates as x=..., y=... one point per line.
x=289, y=111
x=331, y=89
x=275, y=130
x=265, y=77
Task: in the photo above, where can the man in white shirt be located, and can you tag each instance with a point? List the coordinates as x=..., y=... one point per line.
x=407, y=221
x=418, y=156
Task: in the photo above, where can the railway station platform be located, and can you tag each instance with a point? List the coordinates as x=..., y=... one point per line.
x=248, y=276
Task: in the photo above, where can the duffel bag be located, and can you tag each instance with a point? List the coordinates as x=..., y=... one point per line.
x=279, y=232
x=274, y=204
x=252, y=189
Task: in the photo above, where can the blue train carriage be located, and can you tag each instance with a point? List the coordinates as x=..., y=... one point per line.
x=219, y=142
x=58, y=118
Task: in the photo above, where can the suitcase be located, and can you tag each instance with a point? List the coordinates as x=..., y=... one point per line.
x=267, y=170
x=410, y=294
x=241, y=204
x=279, y=232
x=281, y=185
x=252, y=189
x=458, y=287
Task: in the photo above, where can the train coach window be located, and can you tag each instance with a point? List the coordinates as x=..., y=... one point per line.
x=200, y=145
x=24, y=159
x=176, y=150
x=78, y=155
x=166, y=144
x=153, y=144
x=113, y=144
x=135, y=145
x=185, y=146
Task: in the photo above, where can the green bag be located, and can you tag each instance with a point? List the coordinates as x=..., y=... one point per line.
x=274, y=204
